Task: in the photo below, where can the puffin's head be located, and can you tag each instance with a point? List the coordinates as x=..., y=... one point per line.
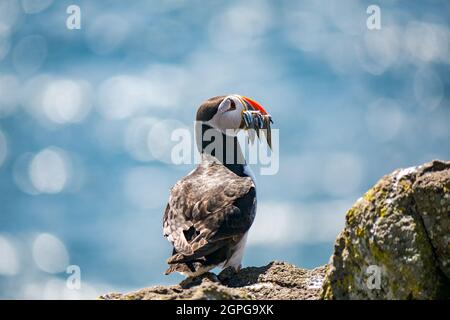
x=231, y=113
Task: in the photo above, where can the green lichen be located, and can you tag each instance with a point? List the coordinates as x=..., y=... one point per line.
x=351, y=215
x=360, y=232
x=381, y=256
x=405, y=185
x=370, y=195
x=383, y=212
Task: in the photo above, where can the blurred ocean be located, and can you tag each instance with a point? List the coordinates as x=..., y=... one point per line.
x=86, y=117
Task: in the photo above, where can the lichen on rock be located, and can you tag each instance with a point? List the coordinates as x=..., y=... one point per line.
x=401, y=226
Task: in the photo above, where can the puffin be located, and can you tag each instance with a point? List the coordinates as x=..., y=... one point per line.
x=210, y=210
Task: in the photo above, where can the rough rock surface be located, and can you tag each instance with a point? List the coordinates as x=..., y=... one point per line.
x=396, y=242
x=277, y=280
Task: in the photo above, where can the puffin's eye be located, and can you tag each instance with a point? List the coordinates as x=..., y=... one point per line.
x=232, y=105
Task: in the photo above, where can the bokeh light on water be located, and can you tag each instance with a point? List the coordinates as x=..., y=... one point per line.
x=86, y=118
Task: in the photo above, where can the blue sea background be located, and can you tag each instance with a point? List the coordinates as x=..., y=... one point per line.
x=86, y=117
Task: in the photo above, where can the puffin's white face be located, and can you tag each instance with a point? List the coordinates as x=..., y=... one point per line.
x=228, y=118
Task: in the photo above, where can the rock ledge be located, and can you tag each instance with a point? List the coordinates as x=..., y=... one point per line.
x=277, y=280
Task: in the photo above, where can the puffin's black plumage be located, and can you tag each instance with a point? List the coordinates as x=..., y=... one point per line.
x=211, y=209
x=208, y=213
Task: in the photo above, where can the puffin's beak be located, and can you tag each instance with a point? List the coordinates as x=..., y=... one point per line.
x=255, y=117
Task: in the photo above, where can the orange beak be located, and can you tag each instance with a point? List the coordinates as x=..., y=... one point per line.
x=255, y=119
x=255, y=105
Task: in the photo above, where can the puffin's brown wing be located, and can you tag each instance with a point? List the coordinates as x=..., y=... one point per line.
x=206, y=210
